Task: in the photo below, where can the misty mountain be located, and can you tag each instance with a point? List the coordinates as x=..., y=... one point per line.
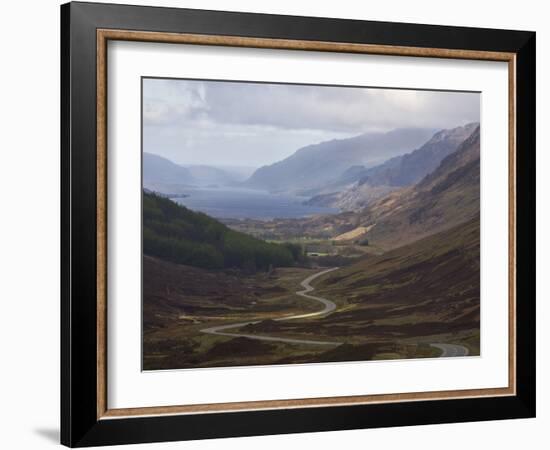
x=445, y=198
x=313, y=166
x=164, y=176
x=360, y=185
x=157, y=169
x=208, y=175
x=408, y=169
x=448, y=196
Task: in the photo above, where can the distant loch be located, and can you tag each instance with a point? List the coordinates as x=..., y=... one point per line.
x=239, y=203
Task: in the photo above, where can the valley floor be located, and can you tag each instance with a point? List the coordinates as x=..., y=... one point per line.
x=417, y=301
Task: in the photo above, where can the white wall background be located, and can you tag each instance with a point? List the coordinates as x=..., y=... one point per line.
x=29, y=225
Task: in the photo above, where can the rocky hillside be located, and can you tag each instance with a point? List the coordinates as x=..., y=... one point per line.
x=358, y=187
x=445, y=198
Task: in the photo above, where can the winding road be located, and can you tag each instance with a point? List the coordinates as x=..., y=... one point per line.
x=451, y=350
x=447, y=350
x=328, y=307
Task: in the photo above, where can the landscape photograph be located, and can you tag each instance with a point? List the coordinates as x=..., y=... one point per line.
x=300, y=224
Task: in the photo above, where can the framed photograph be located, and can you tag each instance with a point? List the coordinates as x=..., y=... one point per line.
x=276, y=224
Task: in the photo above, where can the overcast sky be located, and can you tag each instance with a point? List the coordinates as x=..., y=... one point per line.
x=253, y=124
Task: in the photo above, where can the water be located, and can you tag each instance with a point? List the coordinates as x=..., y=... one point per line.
x=236, y=203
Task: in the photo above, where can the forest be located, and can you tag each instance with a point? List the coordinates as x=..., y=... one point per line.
x=174, y=233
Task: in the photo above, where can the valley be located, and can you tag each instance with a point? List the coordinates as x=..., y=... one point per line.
x=390, y=270
x=389, y=306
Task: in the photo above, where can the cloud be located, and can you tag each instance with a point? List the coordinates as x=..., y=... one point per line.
x=183, y=116
x=169, y=101
x=304, y=107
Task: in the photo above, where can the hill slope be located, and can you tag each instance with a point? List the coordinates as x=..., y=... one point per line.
x=410, y=168
x=312, y=166
x=427, y=288
x=359, y=186
x=162, y=175
x=398, y=304
x=175, y=233
x=159, y=170
x=446, y=197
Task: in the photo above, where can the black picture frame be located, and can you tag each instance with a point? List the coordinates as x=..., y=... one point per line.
x=80, y=425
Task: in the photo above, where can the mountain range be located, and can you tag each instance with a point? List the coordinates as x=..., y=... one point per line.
x=444, y=198
x=358, y=186
x=404, y=197
x=157, y=169
x=164, y=176
x=311, y=167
